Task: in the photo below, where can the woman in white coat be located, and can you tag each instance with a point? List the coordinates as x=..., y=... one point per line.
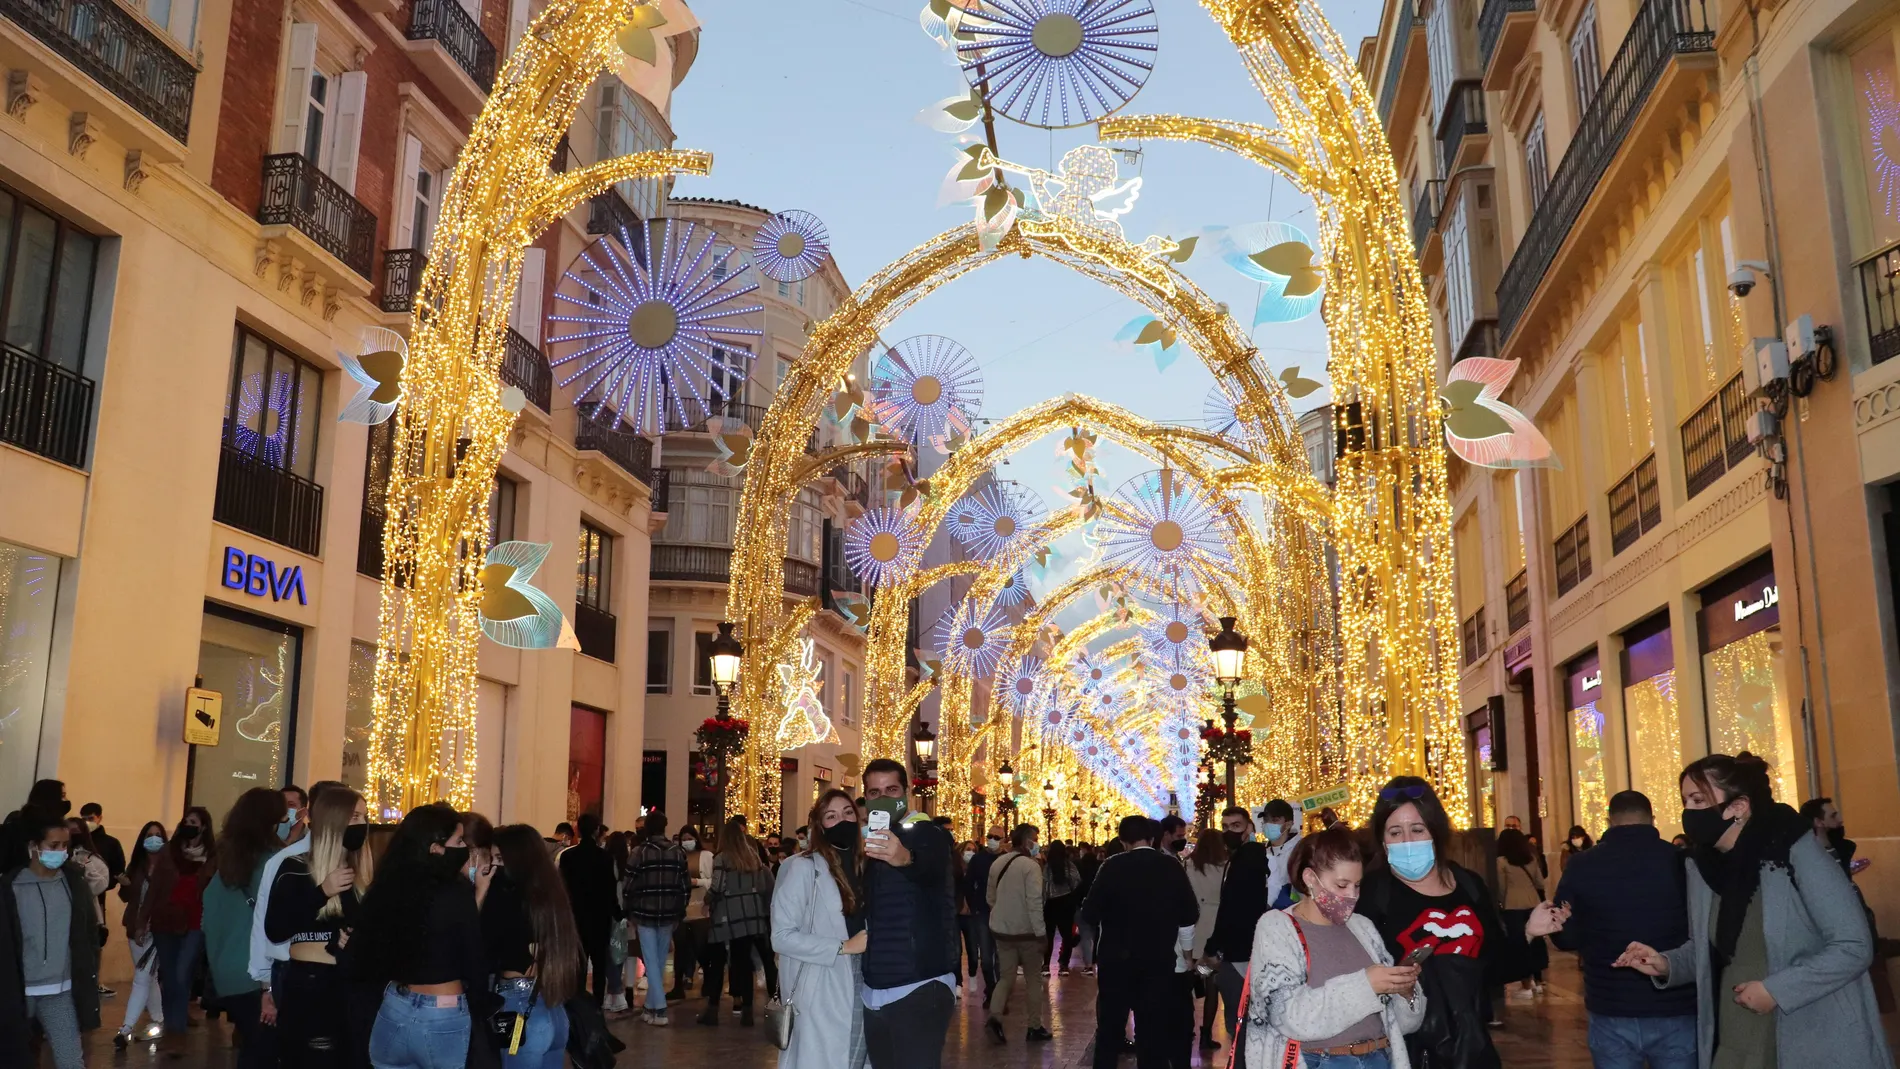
x=818, y=932
x=1322, y=990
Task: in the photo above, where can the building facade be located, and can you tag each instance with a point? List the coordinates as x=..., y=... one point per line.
x=1627, y=197
x=203, y=204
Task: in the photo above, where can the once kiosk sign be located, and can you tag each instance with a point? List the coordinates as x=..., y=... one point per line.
x=260, y=576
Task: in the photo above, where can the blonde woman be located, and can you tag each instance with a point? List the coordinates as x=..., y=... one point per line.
x=312, y=907
x=818, y=925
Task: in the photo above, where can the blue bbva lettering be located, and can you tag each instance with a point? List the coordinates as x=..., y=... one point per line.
x=234, y=565
x=258, y=576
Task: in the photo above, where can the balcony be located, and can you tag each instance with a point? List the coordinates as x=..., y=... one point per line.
x=369, y=543
x=1635, y=505
x=1715, y=438
x=1572, y=552
x=402, y=276
x=596, y=629
x=115, y=49
x=523, y=365
x=691, y=564
x=1477, y=637
x=1517, y=602
x=447, y=43
x=802, y=578
x=1408, y=26
x=44, y=408
x=297, y=194
x=1504, y=28
x=269, y=502
x=1880, y=290
x=1481, y=339
x=615, y=441
x=662, y=486
x=1661, y=31
x=730, y=411
x=1425, y=216
x=1462, y=131
x=609, y=213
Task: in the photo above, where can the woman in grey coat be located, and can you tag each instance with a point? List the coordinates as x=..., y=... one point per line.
x=739, y=900
x=1778, y=941
x=818, y=928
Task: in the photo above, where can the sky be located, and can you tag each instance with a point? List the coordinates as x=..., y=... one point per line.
x=812, y=106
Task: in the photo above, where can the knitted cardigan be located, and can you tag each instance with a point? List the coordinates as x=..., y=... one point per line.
x=1280, y=1007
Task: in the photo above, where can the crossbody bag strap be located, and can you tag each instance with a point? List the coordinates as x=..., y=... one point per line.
x=811, y=924
x=1292, y=1059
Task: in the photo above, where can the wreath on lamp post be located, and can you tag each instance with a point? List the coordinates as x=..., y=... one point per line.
x=722, y=738
x=1207, y=798
x=1235, y=745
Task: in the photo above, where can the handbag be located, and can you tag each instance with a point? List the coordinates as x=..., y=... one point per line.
x=506, y=1027
x=781, y=1013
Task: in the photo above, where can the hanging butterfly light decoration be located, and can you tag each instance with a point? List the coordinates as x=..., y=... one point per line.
x=512, y=611
x=883, y=546
x=1057, y=63
x=653, y=335
x=973, y=644
x=1279, y=257
x=1480, y=428
x=925, y=389
x=791, y=246
x=1163, y=528
x=377, y=371
x=996, y=519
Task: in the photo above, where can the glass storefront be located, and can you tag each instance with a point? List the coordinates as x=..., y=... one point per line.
x=254, y=663
x=357, y=715
x=1583, y=683
x=1651, y=717
x=1480, y=756
x=586, y=761
x=1742, y=673
x=29, y=593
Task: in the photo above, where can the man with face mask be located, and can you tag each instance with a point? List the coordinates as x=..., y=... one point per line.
x=1281, y=826
x=909, y=986
x=1017, y=923
x=1243, y=898
x=266, y=956
x=975, y=895
x=1830, y=830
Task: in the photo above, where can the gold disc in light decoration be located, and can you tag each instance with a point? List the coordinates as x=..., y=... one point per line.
x=1095, y=675
x=1166, y=536
x=791, y=245
x=926, y=390
x=1177, y=681
x=1026, y=686
x=885, y=547
x=653, y=325
x=1005, y=526
x=973, y=638
x=1057, y=34
x=1177, y=632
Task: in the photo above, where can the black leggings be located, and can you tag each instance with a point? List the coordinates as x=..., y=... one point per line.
x=736, y=955
x=1058, y=916
x=312, y=1016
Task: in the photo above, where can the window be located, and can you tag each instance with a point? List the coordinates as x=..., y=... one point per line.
x=784, y=371
x=702, y=662
x=321, y=111
x=700, y=512
x=1459, y=310
x=422, y=209
x=256, y=664
x=1536, y=160
x=628, y=124
x=846, y=691
x=727, y=374
x=801, y=293
x=595, y=579
x=274, y=406
x=659, y=660
x=178, y=18
x=29, y=595
x=501, y=511
x=46, y=276
x=1874, y=86
x=420, y=186
x=1441, y=49
x=805, y=531
x=1586, y=70
x=316, y=116
x=784, y=289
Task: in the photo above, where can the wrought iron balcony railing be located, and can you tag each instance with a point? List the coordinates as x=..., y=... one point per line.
x=1517, y=602
x=691, y=564
x=447, y=24
x=1463, y=117
x=1661, y=31
x=1491, y=25
x=1715, y=437
x=1477, y=637
x=1572, y=553
x=661, y=498
x=402, y=276
x=609, y=213
x=116, y=50
x=269, y=502
x=1635, y=505
x=730, y=411
x=524, y=365
x=297, y=194
x=596, y=629
x=616, y=442
x=1401, y=42
x=1880, y=290
x=801, y=577
x=1425, y=213
x=44, y=408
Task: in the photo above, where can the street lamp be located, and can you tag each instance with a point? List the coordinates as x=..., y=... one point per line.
x=1230, y=652
x=1006, y=775
x=1049, y=808
x=1075, y=816
x=924, y=742
x=727, y=654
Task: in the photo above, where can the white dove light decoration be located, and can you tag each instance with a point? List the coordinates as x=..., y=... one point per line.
x=377, y=371
x=804, y=721
x=1480, y=428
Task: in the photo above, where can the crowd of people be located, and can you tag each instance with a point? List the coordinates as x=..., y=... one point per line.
x=446, y=941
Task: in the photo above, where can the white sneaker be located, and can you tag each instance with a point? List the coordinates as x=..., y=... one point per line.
x=656, y=1018
x=615, y=1003
x=1522, y=993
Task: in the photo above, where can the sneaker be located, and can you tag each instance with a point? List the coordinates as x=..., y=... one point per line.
x=657, y=1018
x=106, y=992
x=1038, y=1035
x=121, y=1040
x=1064, y=971
x=995, y=1028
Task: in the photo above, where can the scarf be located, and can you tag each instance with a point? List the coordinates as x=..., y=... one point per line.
x=1735, y=877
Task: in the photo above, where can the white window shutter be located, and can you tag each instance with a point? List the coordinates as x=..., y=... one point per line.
x=296, y=95
x=519, y=12
x=474, y=9
x=526, y=316
x=406, y=191
x=184, y=23
x=435, y=202
x=349, y=127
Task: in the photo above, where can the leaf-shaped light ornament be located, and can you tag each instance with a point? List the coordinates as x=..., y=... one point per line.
x=637, y=38
x=1152, y=335
x=1183, y=249
x=953, y=115
x=1483, y=430
x=734, y=449
x=513, y=612
x=970, y=177
x=1297, y=385
x=996, y=213
x=377, y=371
x=853, y=607
x=883, y=547
x=942, y=22
x=1281, y=258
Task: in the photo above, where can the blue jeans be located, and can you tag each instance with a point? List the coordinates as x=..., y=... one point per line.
x=414, y=1032
x=178, y=954
x=544, y=1040
x=1626, y=1042
x=654, y=941
x=1378, y=1059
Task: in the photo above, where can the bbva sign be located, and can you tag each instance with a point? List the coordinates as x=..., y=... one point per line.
x=258, y=576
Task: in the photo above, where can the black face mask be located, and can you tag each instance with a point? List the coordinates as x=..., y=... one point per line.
x=1705, y=826
x=355, y=836
x=1232, y=839
x=843, y=835
x=1835, y=835
x=188, y=832
x=455, y=858
x=65, y=806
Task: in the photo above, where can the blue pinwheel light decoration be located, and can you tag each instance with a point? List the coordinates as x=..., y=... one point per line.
x=791, y=246
x=926, y=388
x=973, y=642
x=883, y=546
x=1057, y=63
x=513, y=612
x=265, y=417
x=1163, y=528
x=996, y=518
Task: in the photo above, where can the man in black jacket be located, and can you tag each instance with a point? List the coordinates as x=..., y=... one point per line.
x=975, y=894
x=1629, y=889
x=1144, y=909
x=588, y=872
x=910, y=924
x=1243, y=898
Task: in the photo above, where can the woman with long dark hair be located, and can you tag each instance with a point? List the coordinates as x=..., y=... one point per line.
x=1206, y=871
x=312, y=906
x=1062, y=896
x=230, y=897
x=818, y=925
x=1520, y=889
x=1418, y=896
x=690, y=938
x=1575, y=843
x=418, y=933
x=173, y=910
x=1778, y=939
x=739, y=898
x=133, y=891
x=534, y=950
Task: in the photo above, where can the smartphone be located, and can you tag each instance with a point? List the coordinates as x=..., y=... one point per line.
x=1419, y=953
x=877, y=820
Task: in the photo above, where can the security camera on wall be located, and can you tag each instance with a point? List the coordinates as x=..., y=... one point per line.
x=1741, y=281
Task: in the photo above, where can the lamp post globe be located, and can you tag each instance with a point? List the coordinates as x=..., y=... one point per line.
x=1230, y=653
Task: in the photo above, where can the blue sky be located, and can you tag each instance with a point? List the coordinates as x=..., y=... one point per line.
x=812, y=106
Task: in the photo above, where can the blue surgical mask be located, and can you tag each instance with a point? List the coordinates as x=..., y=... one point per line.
x=154, y=843
x=287, y=826
x=1412, y=861
x=1274, y=832
x=1035, y=849
x=52, y=859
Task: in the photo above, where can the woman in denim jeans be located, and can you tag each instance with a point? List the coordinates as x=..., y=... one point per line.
x=534, y=950
x=173, y=911
x=419, y=933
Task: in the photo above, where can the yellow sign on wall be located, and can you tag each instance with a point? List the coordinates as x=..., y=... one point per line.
x=1313, y=802
x=204, y=716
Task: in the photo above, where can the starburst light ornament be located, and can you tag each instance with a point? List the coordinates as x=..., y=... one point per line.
x=926, y=388
x=804, y=721
x=996, y=519
x=1883, y=134
x=377, y=371
x=973, y=645
x=655, y=335
x=1015, y=589
x=1022, y=683
x=1219, y=415
x=883, y=546
x=1174, y=633
x=1163, y=528
x=1058, y=63
x=791, y=246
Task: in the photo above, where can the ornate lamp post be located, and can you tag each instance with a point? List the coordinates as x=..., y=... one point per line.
x=1075, y=817
x=1049, y=808
x=923, y=745
x=727, y=654
x=722, y=736
x=1230, y=652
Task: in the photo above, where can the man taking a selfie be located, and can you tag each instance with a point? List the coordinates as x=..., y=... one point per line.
x=910, y=923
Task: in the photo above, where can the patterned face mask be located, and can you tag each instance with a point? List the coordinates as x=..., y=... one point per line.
x=1335, y=908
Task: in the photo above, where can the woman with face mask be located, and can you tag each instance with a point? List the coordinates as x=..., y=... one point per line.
x=818, y=928
x=1416, y=896
x=1778, y=940
x=312, y=906
x=133, y=891
x=690, y=937
x=250, y=837
x=1322, y=988
x=174, y=913
x=1575, y=843
x=1207, y=870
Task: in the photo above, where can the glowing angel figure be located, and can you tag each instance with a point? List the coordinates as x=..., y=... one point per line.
x=1481, y=428
x=377, y=372
x=1082, y=192
x=804, y=721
